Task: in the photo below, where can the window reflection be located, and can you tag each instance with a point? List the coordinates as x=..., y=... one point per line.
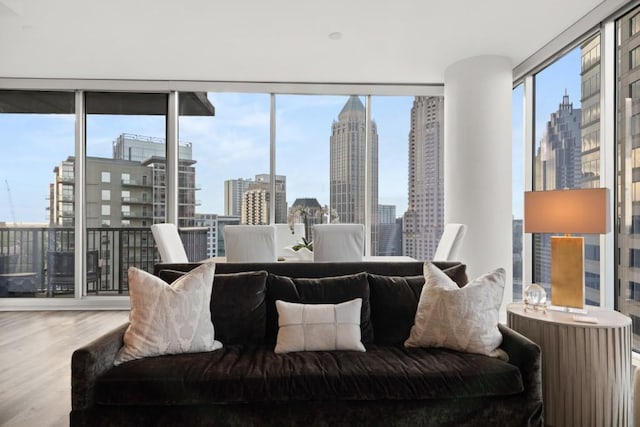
x=628, y=174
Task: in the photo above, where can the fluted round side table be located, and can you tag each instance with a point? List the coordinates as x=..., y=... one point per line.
x=586, y=367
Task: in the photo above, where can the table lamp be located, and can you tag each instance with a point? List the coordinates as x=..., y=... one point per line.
x=582, y=211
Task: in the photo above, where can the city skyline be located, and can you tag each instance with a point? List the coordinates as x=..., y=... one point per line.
x=235, y=144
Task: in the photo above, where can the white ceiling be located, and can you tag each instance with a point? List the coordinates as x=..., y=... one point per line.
x=383, y=41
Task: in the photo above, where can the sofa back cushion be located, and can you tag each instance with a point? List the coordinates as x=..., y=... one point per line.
x=393, y=309
x=394, y=300
x=238, y=306
x=325, y=290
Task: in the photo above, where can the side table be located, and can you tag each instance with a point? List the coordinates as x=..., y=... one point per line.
x=586, y=367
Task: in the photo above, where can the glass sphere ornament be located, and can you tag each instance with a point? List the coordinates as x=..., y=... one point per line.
x=535, y=298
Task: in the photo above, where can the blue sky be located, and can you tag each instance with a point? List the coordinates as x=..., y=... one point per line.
x=235, y=143
x=550, y=86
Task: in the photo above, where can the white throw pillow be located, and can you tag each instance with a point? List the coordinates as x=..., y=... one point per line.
x=464, y=319
x=317, y=327
x=169, y=319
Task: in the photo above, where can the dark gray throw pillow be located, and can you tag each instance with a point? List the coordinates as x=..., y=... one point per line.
x=394, y=300
x=325, y=290
x=238, y=308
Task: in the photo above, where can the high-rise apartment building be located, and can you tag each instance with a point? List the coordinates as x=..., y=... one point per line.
x=254, y=206
x=215, y=224
x=347, y=168
x=424, y=219
x=390, y=231
x=387, y=214
x=119, y=193
x=122, y=192
x=151, y=152
x=557, y=166
x=263, y=181
x=233, y=191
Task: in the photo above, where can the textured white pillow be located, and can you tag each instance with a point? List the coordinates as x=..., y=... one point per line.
x=464, y=319
x=169, y=319
x=317, y=327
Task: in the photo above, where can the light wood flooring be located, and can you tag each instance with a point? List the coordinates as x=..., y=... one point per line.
x=35, y=361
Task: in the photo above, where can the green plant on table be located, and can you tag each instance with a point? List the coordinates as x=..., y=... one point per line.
x=303, y=244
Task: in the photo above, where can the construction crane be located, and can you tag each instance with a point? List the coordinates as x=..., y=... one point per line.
x=13, y=213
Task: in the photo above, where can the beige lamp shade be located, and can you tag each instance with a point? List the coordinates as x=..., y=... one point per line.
x=581, y=211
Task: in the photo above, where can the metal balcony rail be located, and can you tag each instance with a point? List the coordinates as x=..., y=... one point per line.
x=24, y=254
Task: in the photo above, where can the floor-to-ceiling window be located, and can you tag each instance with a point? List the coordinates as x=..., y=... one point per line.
x=567, y=146
x=305, y=133
x=517, y=188
x=124, y=185
x=37, y=188
x=227, y=166
x=399, y=182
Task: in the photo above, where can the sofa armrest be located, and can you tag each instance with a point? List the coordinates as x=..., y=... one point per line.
x=526, y=355
x=91, y=361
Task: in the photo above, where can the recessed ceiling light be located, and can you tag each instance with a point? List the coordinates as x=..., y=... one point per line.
x=336, y=35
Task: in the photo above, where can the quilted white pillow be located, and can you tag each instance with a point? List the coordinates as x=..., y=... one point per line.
x=317, y=327
x=464, y=319
x=169, y=319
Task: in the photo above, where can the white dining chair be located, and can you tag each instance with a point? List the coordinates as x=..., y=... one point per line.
x=250, y=243
x=338, y=242
x=450, y=242
x=286, y=237
x=169, y=243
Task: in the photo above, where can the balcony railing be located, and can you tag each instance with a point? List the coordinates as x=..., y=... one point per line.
x=136, y=201
x=134, y=183
x=24, y=252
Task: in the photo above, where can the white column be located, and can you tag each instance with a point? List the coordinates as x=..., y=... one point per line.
x=477, y=162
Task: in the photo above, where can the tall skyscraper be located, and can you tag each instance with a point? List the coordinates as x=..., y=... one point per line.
x=558, y=166
x=215, y=224
x=424, y=219
x=264, y=181
x=347, y=168
x=387, y=214
x=235, y=198
x=559, y=158
x=254, y=207
x=390, y=231
x=233, y=191
x=628, y=135
x=590, y=155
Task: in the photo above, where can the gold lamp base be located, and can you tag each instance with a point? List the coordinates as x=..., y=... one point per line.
x=567, y=273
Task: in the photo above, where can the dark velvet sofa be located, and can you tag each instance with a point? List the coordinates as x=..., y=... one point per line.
x=246, y=383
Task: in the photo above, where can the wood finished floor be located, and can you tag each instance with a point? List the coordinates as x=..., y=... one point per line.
x=35, y=362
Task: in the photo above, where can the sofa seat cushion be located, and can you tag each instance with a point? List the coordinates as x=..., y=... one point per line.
x=237, y=374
